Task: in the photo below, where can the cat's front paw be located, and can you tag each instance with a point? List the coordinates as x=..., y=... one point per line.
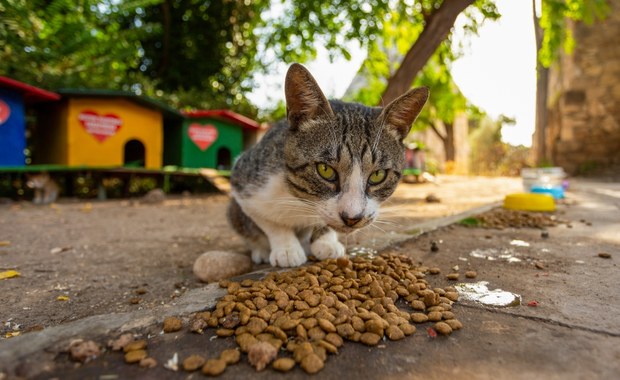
x=291, y=255
x=327, y=249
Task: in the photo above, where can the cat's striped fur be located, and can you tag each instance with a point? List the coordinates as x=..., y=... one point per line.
x=326, y=169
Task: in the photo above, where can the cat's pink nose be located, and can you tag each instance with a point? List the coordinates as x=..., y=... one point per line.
x=350, y=221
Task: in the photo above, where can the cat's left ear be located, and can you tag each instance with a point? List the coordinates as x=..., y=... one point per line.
x=400, y=114
x=304, y=99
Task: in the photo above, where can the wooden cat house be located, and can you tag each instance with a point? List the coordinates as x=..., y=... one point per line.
x=15, y=97
x=102, y=128
x=209, y=139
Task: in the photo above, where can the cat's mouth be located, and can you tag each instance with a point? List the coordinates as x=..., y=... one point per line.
x=343, y=228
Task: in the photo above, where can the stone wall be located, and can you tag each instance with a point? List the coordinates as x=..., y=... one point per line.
x=583, y=128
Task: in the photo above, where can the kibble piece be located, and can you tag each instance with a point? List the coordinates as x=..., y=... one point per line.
x=419, y=317
x=345, y=329
x=455, y=324
x=230, y=356
x=443, y=328
x=245, y=341
x=418, y=305
x=135, y=345
x=214, y=367
x=172, y=324
x=256, y=326
x=135, y=356
x=328, y=347
x=435, y=316
x=370, y=339
x=471, y=274
x=452, y=296
x=283, y=364
x=312, y=363
x=604, y=255
x=431, y=299
x=224, y=332
x=447, y=315
x=394, y=333
x=334, y=339
x=453, y=276
x=434, y=270
x=326, y=325
x=407, y=329
x=302, y=351
x=375, y=326
x=193, y=362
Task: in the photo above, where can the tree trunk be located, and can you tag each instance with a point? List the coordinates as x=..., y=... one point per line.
x=542, y=92
x=448, y=142
x=437, y=28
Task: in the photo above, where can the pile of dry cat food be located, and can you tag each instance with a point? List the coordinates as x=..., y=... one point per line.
x=309, y=312
x=502, y=218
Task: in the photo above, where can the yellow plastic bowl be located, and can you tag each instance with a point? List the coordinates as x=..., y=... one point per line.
x=529, y=202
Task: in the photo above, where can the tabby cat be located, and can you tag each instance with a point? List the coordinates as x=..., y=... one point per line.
x=45, y=188
x=324, y=170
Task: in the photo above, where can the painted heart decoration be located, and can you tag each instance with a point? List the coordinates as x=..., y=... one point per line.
x=101, y=127
x=202, y=135
x=5, y=112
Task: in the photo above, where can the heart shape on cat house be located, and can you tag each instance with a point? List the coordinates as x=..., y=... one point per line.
x=210, y=139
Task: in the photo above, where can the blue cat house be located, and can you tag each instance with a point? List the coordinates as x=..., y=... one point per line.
x=15, y=96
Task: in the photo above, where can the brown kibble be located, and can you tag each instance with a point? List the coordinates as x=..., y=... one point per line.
x=435, y=316
x=230, y=356
x=172, y=324
x=452, y=296
x=261, y=354
x=407, y=329
x=245, y=341
x=471, y=274
x=148, y=362
x=453, y=276
x=334, y=339
x=224, y=332
x=214, y=367
x=328, y=347
x=374, y=326
x=312, y=363
x=193, y=362
x=256, y=326
x=326, y=325
x=302, y=351
x=135, y=345
x=604, y=255
x=135, y=356
x=455, y=324
x=345, y=329
x=394, y=333
x=443, y=328
x=283, y=364
x=434, y=270
x=418, y=305
x=316, y=333
x=370, y=339
x=419, y=317
x=343, y=262
x=431, y=299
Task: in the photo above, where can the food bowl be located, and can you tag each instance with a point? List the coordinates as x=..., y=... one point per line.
x=529, y=202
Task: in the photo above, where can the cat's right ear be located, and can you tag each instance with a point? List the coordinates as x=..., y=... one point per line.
x=304, y=99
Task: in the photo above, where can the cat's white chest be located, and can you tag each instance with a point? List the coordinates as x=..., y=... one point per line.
x=274, y=203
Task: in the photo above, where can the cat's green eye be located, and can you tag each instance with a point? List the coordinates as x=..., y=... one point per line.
x=326, y=171
x=377, y=177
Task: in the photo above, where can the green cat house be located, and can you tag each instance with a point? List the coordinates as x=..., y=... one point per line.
x=209, y=139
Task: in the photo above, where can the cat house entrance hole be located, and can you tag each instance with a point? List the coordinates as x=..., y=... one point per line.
x=134, y=154
x=224, y=159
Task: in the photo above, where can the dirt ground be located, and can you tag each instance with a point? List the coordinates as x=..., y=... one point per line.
x=119, y=256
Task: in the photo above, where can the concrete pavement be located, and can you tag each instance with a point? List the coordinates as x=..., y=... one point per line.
x=572, y=333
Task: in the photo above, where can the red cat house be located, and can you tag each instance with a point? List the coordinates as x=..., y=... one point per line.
x=15, y=97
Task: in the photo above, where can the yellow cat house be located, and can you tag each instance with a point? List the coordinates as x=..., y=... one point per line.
x=101, y=128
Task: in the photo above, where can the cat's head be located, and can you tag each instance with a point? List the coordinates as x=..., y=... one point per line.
x=344, y=159
x=37, y=181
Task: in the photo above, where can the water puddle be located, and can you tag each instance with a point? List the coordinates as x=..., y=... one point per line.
x=493, y=254
x=519, y=243
x=363, y=252
x=479, y=292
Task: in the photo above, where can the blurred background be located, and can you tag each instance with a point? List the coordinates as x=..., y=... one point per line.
x=513, y=84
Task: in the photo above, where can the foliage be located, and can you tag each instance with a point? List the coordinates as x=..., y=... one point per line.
x=489, y=155
x=553, y=20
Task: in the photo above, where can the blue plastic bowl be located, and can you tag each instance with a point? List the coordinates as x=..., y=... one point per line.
x=557, y=192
